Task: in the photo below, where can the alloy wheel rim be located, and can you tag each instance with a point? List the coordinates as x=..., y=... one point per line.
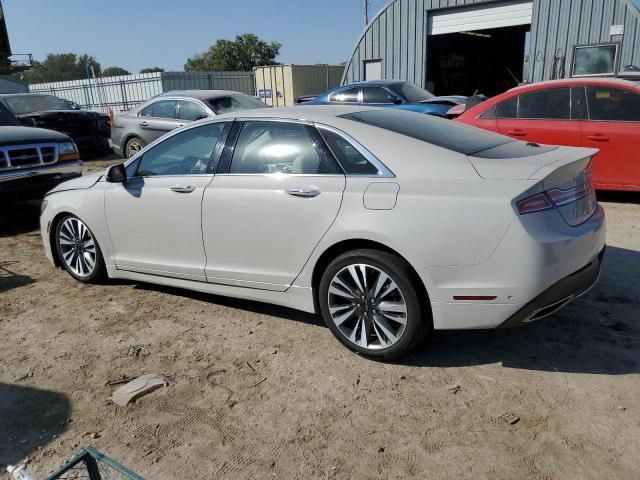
x=367, y=306
x=78, y=247
x=134, y=147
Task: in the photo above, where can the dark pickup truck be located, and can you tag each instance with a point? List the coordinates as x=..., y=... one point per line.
x=89, y=130
x=33, y=161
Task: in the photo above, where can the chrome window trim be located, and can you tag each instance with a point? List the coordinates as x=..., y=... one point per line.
x=4, y=152
x=383, y=171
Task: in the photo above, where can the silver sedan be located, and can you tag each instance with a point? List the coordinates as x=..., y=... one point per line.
x=134, y=130
x=388, y=223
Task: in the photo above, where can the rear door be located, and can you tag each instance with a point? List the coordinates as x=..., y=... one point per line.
x=274, y=196
x=542, y=116
x=613, y=126
x=159, y=118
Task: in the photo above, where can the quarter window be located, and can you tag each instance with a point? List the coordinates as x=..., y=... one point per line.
x=351, y=160
x=190, y=111
x=277, y=147
x=375, y=95
x=349, y=95
x=187, y=153
x=160, y=109
x=613, y=104
x=548, y=104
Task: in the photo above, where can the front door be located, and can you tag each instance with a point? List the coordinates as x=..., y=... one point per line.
x=542, y=116
x=614, y=128
x=154, y=218
x=159, y=118
x=265, y=212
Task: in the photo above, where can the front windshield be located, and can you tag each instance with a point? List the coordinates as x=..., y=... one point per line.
x=413, y=93
x=35, y=103
x=233, y=103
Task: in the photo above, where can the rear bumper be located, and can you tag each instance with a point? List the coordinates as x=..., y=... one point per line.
x=559, y=294
x=33, y=183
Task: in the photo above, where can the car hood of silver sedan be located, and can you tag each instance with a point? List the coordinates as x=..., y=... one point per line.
x=80, y=183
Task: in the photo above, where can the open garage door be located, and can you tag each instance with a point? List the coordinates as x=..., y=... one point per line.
x=481, y=17
x=479, y=49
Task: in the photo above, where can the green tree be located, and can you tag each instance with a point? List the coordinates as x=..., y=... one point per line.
x=242, y=54
x=152, y=70
x=114, y=72
x=57, y=67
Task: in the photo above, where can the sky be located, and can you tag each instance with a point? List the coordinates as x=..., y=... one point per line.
x=135, y=34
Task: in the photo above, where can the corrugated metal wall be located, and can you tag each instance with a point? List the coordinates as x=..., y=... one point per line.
x=398, y=35
x=280, y=85
x=125, y=92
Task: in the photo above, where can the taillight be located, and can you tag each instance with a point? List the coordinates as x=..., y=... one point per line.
x=575, y=200
x=535, y=203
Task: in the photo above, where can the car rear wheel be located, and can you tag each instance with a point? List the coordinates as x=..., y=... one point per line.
x=370, y=303
x=133, y=146
x=78, y=250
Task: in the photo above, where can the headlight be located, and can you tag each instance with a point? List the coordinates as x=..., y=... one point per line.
x=43, y=206
x=67, y=151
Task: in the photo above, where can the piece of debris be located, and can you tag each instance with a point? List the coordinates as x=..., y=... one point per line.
x=249, y=365
x=25, y=375
x=509, y=418
x=621, y=408
x=454, y=388
x=138, y=387
x=380, y=449
x=258, y=383
x=124, y=379
x=137, y=350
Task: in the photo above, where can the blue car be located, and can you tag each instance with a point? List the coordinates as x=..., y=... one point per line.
x=388, y=93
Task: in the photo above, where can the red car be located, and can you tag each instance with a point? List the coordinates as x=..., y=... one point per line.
x=585, y=112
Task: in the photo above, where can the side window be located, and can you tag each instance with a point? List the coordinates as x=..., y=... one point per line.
x=349, y=95
x=491, y=113
x=187, y=153
x=276, y=147
x=507, y=108
x=351, y=160
x=613, y=104
x=545, y=104
x=188, y=110
x=375, y=95
x=160, y=109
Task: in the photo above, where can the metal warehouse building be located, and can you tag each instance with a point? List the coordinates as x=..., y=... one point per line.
x=488, y=46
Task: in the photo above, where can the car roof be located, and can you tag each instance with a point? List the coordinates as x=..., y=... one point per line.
x=26, y=94
x=200, y=94
x=576, y=81
x=311, y=113
x=374, y=83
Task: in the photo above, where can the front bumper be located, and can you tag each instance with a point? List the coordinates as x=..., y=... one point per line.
x=559, y=294
x=33, y=183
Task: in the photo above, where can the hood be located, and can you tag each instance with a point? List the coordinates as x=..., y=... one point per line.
x=10, y=135
x=79, y=183
x=525, y=161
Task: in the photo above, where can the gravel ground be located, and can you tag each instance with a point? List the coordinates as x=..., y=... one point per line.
x=265, y=392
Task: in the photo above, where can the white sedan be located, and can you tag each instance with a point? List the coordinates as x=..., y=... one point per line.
x=388, y=223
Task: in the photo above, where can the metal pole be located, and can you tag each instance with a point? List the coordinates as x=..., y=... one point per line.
x=365, y=12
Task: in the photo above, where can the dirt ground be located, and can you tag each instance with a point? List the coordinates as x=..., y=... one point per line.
x=263, y=392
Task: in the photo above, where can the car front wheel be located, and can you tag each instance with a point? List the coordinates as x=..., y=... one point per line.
x=78, y=250
x=369, y=301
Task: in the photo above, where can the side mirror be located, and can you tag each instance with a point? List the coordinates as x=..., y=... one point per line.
x=117, y=173
x=395, y=100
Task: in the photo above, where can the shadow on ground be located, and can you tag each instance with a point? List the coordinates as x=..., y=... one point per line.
x=20, y=217
x=29, y=419
x=10, y=280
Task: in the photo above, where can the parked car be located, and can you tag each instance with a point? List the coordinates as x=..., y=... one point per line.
x=34, y=160
x=142, y=125
x=388, y=93
x=387, y=222
x=89, y=130
x=587, y=112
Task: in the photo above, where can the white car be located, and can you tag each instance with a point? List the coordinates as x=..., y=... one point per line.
x=388, y=223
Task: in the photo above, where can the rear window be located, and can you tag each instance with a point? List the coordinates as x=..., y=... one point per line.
x=437, y=131
x=234, y=103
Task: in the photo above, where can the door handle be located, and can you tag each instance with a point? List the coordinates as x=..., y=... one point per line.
x=304, y=192
x=598, y=137
x=143, y=123
x=517, y=133
x=183, y=188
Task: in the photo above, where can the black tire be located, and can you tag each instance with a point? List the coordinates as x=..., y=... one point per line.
x=416, y=315
x=98, y=273
x=133, y=145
